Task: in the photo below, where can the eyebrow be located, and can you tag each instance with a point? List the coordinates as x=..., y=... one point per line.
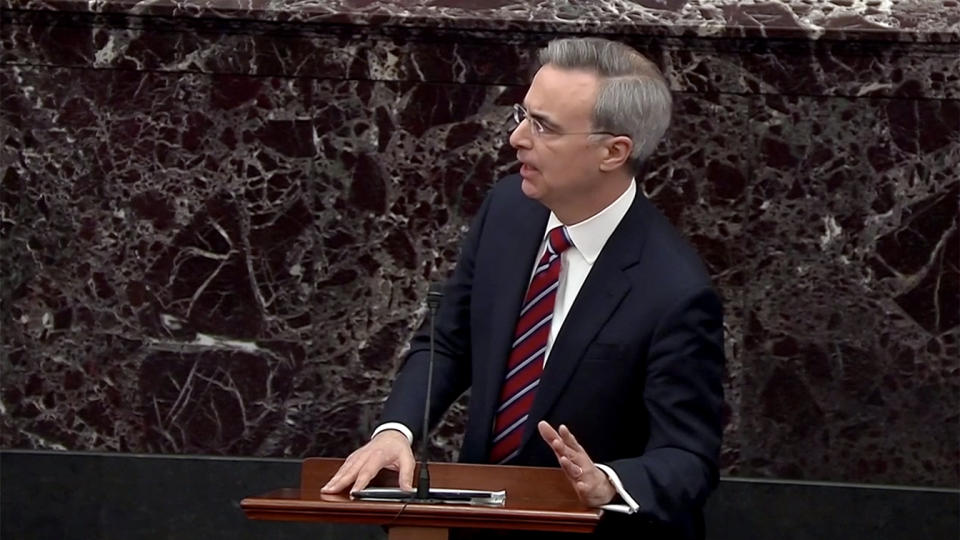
x=540, y=117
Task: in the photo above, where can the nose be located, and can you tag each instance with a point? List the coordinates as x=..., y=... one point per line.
x=519, y=137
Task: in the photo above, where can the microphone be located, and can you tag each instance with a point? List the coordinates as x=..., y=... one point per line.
x=434, y=296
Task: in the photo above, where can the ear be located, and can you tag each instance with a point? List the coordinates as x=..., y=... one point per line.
x=616, y=152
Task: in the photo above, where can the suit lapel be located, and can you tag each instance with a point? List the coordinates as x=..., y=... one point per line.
x=601, y=293
x=521, y=236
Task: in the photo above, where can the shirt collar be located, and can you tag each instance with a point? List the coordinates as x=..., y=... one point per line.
x=590, y=235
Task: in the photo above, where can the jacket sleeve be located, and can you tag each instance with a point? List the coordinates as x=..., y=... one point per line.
x=683, y=395
x=451, y=372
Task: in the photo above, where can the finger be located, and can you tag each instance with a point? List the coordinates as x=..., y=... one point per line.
x=548, y=433
x=336, y=485
x=552, y=438
x=571, y=469
x=576, y=453
x=343, y=477
x=406, y=471
x=364, y=476
x=569, y=439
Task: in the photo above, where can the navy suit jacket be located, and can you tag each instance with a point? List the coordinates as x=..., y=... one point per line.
x=635, y=371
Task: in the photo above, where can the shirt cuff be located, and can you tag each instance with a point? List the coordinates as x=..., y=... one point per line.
x=396, y=426
x=631, y=505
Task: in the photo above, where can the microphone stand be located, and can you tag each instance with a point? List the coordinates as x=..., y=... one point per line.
x=423, y=481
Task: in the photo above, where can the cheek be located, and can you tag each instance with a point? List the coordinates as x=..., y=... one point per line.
x=564, y=165
x=568, y=166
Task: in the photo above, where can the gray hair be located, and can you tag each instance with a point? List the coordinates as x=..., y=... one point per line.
x=633, y=98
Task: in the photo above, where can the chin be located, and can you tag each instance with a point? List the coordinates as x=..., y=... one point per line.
x=530, y=189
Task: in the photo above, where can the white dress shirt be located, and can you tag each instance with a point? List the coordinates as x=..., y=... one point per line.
x=588, y=238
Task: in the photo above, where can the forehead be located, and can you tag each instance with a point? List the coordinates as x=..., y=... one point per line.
x=565, y=94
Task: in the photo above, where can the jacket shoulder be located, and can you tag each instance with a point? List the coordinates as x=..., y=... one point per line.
x=677, y=262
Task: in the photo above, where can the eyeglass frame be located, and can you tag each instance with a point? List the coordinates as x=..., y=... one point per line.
x=520, y=113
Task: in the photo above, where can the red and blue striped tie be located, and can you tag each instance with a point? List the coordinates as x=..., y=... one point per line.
x=529, y=350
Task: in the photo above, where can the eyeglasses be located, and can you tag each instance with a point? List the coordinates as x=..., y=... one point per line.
x=538, y=128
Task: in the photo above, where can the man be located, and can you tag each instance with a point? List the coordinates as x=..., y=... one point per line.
x=586, y=328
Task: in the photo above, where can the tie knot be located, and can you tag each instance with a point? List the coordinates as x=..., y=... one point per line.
x=558, y=239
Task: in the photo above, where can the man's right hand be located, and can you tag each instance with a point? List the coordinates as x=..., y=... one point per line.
x=389, y=449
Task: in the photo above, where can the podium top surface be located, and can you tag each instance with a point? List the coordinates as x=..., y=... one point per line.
x=537, y=499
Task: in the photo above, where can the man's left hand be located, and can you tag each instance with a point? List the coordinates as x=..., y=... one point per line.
x=592, y=485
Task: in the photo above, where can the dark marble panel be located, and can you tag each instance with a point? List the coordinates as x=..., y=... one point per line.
x=503, y=58
x=908, y=20
x=262, y=49
x=135, y=253
x=851, y=358
x=256, y=304
x=216, y=228
x=699, y=179
x=852, y=69
x=235, y=281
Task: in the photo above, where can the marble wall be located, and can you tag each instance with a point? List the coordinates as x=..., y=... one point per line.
x=218, y=225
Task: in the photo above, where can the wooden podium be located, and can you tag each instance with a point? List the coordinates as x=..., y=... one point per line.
x=538, y=499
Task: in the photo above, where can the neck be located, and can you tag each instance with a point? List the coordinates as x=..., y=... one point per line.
x=588, y=203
